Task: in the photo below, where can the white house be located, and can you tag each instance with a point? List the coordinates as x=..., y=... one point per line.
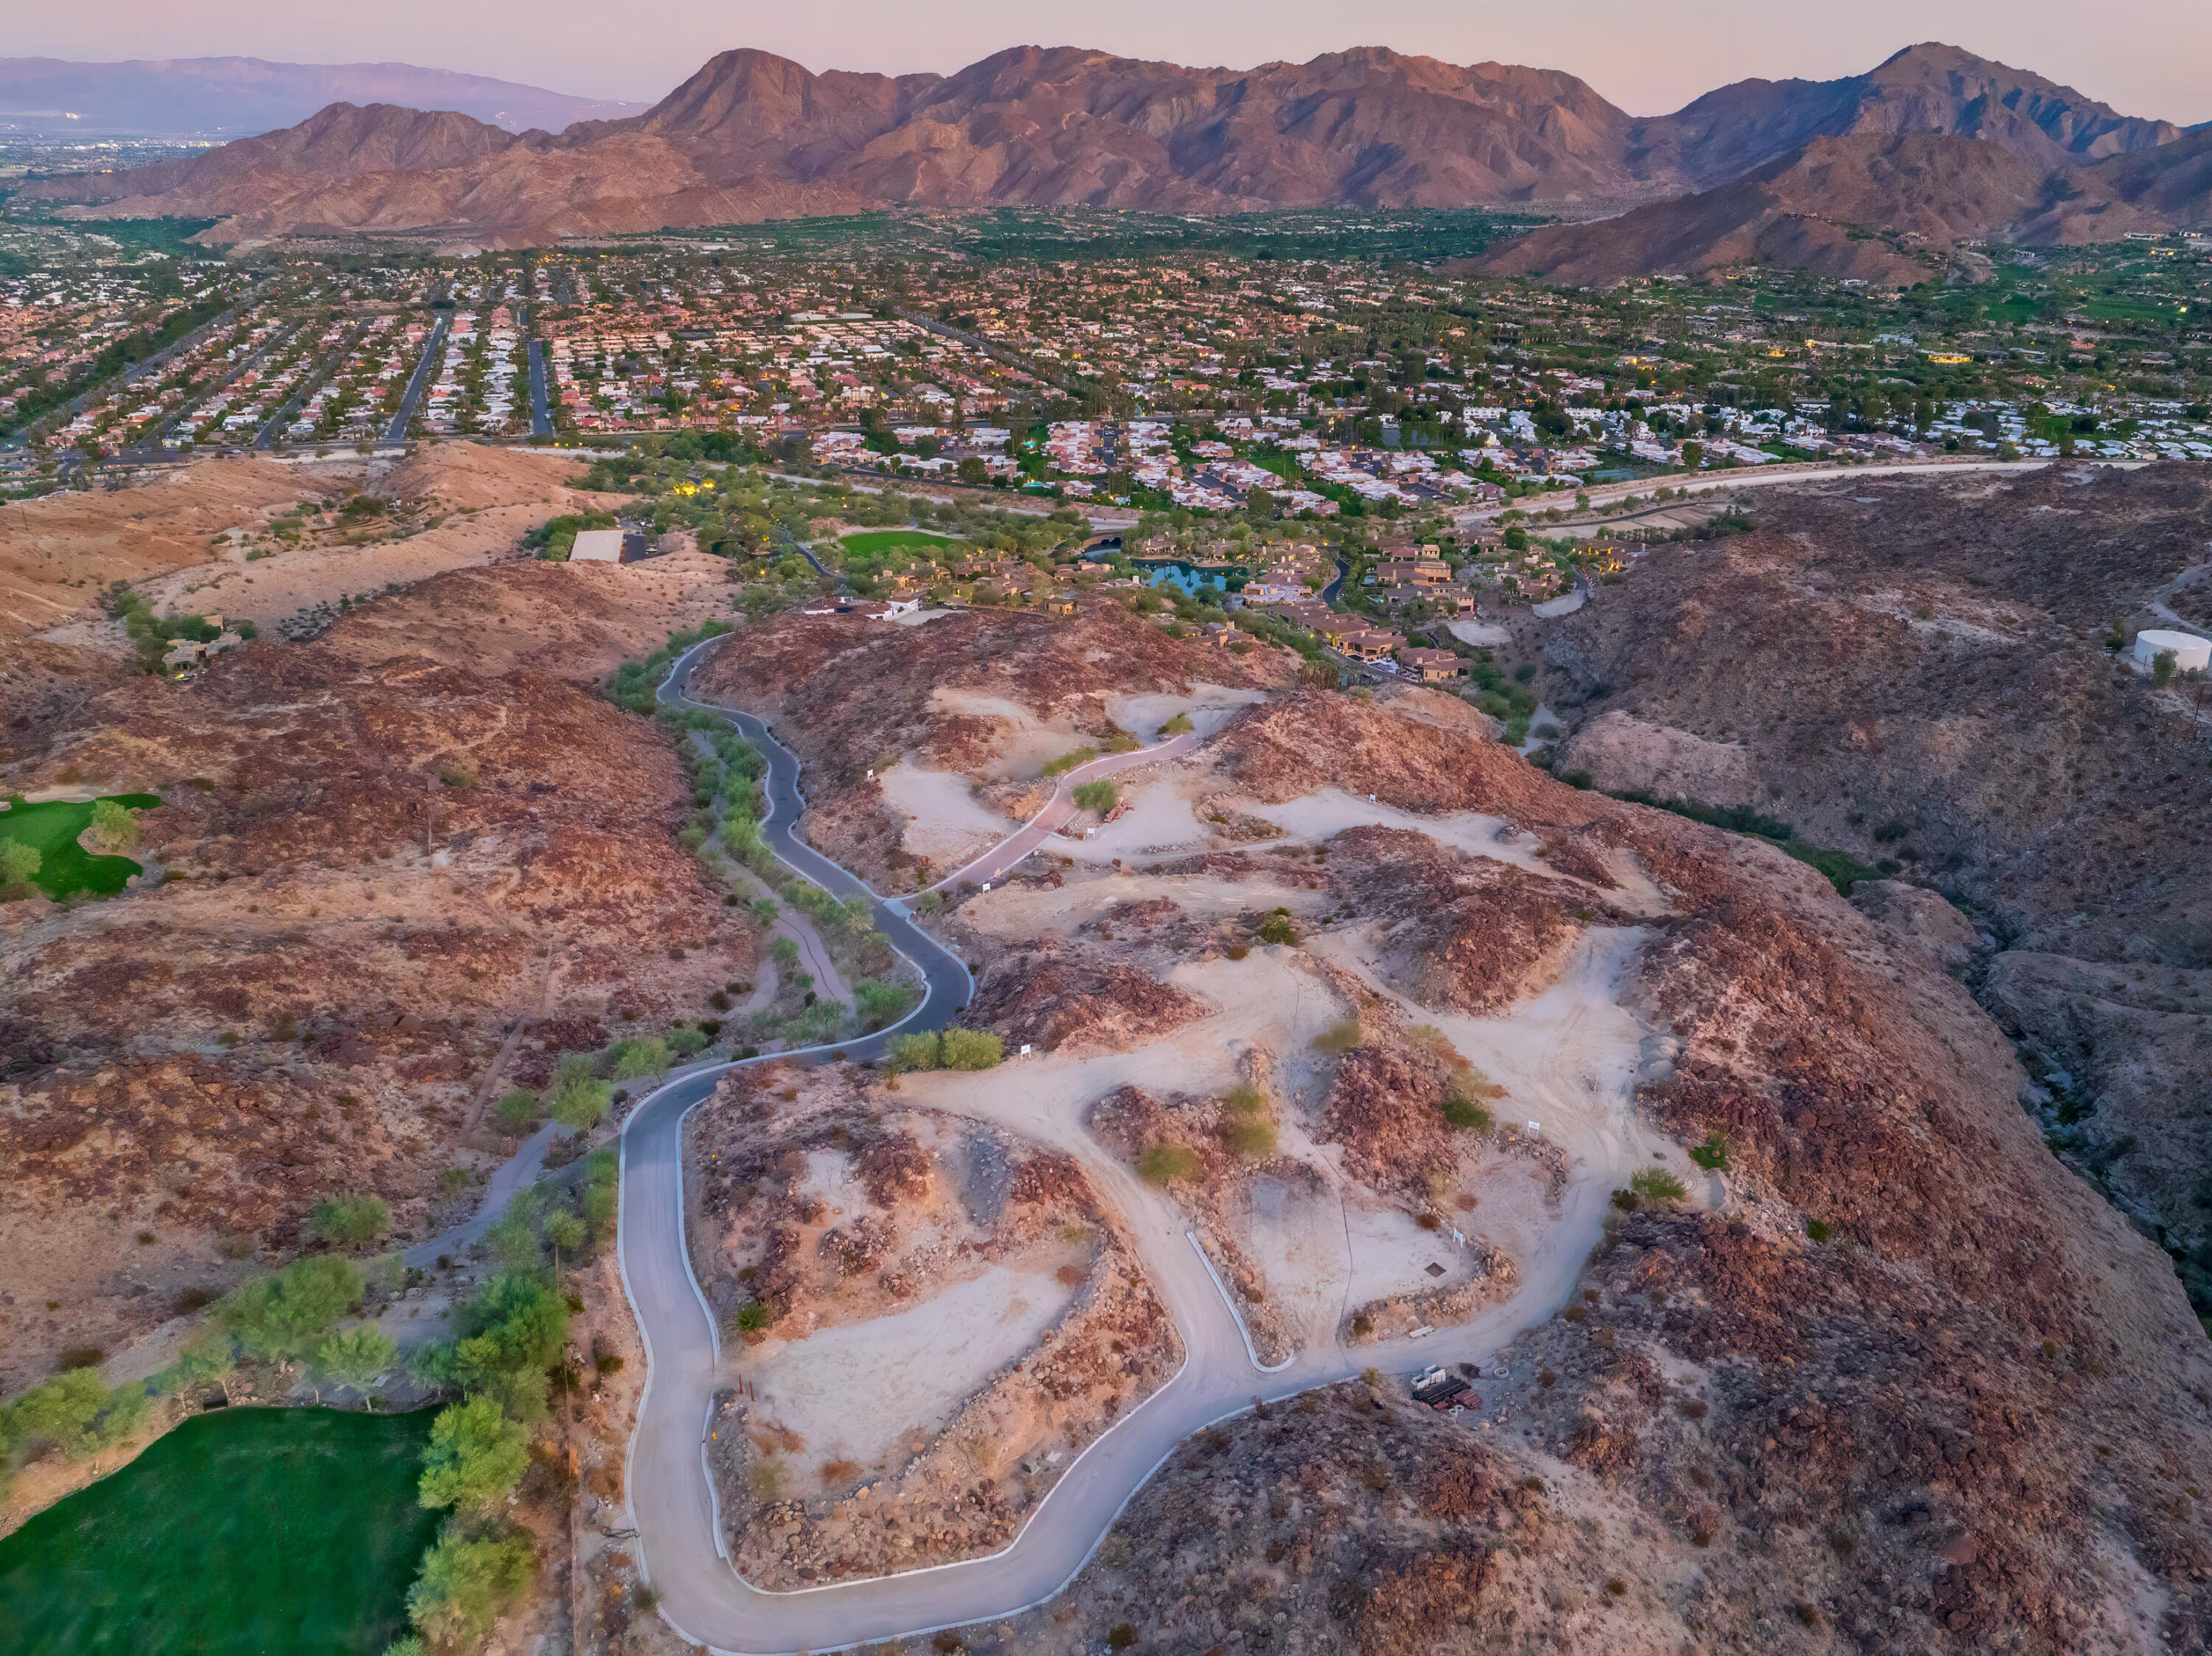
x=2190, y=652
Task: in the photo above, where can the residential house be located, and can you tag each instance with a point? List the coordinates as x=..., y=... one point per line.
x=1431, y=666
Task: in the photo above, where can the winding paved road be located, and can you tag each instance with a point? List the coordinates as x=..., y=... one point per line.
x=671, y=1501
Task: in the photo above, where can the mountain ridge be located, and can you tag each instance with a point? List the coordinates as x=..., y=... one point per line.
x=751, y=135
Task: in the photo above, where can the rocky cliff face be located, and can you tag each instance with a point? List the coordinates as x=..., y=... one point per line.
x=1917, y=674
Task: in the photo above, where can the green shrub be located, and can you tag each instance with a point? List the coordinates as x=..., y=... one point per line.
x=1244, y=1100
x=916, y=1052
x=1278, y=928
x=76, y=1412
x=686, y=1042
x=1162, y=1164
x=1656, y=1185
x=1466, y=1115
x=1101, y=796
x=1712, y=1155
x=1179, y=726
x=19, y=865
x=1819, y=1230
x=1252, y=1139
x=517, y=1112
x=352, y=1221
x=971, y=1049
x=754, y=1315
x=476, y=1456
x=113, y=827
x=1067, y=761
x=465, y=1583
x=580, y=1098
x=643, y=1055
x=879, y=1003
x=276, y=1317
x=1339, y=1037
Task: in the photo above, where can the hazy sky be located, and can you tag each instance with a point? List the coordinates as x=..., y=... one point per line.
x=1648, y=55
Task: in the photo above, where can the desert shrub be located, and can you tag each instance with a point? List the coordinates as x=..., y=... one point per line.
x=643, y=1055
x=1819, y=1230
x=1278, y=928
x=1466, y=1115
x=1656, y=1185
x=765, y=1476
x=754, y=1315
x=1179, y=726
x=1162, y=1164
x=972, y=1049
x=601, y=1198
x=1122, y=1637
x=457, y=776
x=465, y=1582
x=1067, y=761
x=1712, y=1155
x=113, y=828
x=19, y=865
x=475, y=1457
x=579, y=1100
x=517, y=1112
x=76, y=1412
x=1252, y=1139
x=1339, y=1037
x=1100, y=796
x=275, y=1317
x=1244, y=1100
x=877, y=1004
x=686, y=1042
x=352, y=1221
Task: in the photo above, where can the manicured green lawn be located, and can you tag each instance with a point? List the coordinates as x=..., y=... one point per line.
x=66, y=867
x=244, y=1532
x=892, y=540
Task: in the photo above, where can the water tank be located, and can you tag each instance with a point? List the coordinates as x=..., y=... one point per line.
x=2190, y=652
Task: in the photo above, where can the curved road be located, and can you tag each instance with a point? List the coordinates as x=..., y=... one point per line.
x=672, y=1505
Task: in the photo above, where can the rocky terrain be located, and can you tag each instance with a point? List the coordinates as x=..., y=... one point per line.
x=988, y=697
x=827, y=1204
x=753, y=136
x=1890, y=1377
x=379, y=891
x=1917, y=674
x=1924, y=192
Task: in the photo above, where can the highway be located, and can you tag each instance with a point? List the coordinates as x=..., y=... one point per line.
x=671, y=1501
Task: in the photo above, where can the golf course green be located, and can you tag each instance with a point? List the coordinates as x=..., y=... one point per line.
x=244, y=1532
x=65, y=867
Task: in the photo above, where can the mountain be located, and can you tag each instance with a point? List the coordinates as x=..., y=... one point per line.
x=1881, y=209
x=338, y=143
x=1931, y=88
x=753, y=136
x=246, y=94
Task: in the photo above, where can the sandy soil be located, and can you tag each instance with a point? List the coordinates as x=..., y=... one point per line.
x=946, y=821
x=57, y=553
x=1019, y=912
x=865, y=1392
x=1025, y=744
x=1208, y=707
x=1480, y=633
x=1319, y=815
x=1160, y=820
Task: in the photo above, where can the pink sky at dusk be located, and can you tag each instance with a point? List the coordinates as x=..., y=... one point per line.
x=2146, y=59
